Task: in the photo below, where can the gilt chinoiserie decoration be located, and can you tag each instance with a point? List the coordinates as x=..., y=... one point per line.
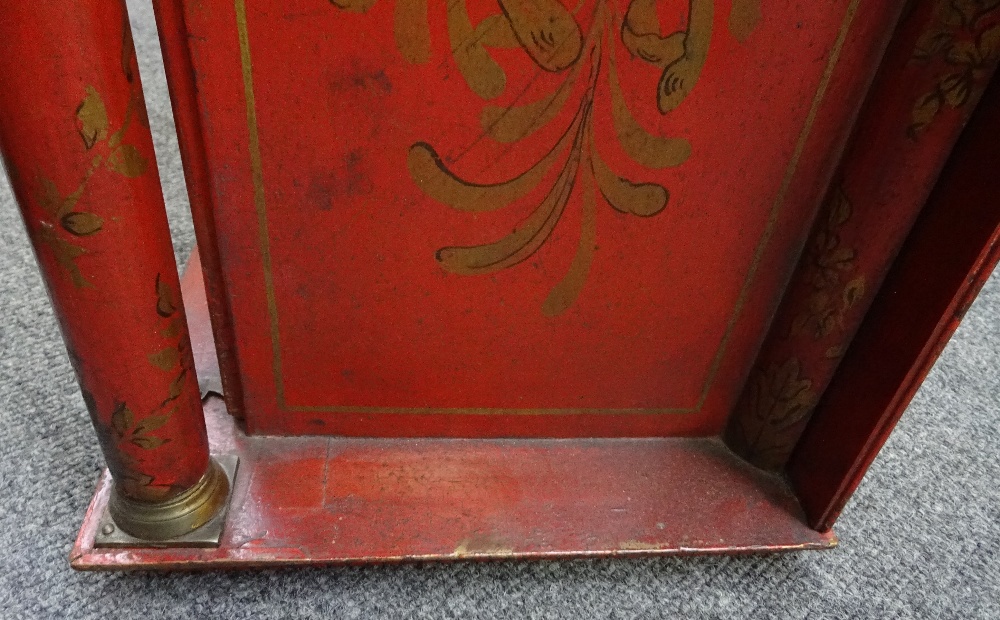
x=550, y=34
x=546, y=177
x=944, y=53
x=77, y=146
x=509, y=278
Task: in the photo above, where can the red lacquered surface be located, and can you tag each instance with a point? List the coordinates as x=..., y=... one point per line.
x=76, y=143
x=354, y=313
x=923, y=96
x=173, y=45
x=317, y=500
x=206, y=358
x=952, y=250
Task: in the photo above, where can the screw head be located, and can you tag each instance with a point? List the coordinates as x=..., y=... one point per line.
x=108, y=529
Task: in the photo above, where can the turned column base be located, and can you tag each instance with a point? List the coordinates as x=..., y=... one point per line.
x=193, y=519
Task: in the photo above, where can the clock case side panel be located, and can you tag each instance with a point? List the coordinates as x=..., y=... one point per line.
x=915, y=111
x=947, y=258
x=186, y=101
x=173, y=34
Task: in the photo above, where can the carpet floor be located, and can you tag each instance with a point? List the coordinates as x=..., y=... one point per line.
x=918, y=540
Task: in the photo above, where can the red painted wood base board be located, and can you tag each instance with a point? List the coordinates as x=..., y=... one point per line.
x=319, y=500
x=323, y=500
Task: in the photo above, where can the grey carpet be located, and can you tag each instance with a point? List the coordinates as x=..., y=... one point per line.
x=918, y=540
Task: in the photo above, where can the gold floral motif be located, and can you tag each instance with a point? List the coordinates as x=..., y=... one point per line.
x=119, y=433
x=967, y=50
x=171, y=358
x=776, y=400
x=830, y=263
x=125, y=429
x=65, y=221
x=552, y=36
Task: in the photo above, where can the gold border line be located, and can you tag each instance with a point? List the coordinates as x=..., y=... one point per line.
x=272, y=306
x=779, y=201
x=260, y=204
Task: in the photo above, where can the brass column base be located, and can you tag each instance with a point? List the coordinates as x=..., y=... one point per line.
x=192, y=519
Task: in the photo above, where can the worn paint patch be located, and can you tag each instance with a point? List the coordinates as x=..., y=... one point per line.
x=638, y=545
x=488, y=545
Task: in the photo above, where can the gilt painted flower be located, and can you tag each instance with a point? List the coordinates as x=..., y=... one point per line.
x=550, y=34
